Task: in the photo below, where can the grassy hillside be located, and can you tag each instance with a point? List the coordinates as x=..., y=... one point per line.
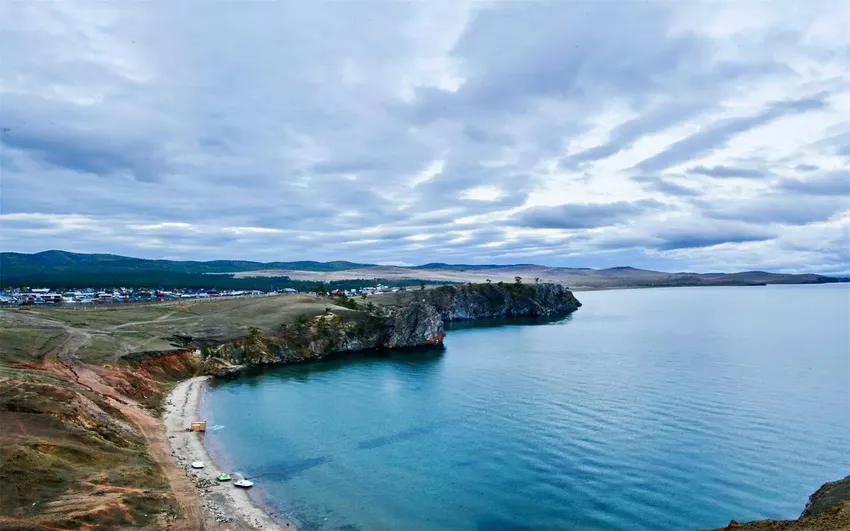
x=80, y=447
x=59, y=269
x=18, y=264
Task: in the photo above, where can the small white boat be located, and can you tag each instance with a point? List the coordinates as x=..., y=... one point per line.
x=197, y=464
x=244, y=483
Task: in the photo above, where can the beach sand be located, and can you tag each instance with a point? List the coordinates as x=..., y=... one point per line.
x=224, y=506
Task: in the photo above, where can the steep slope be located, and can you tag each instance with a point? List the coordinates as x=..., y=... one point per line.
x=828, y=509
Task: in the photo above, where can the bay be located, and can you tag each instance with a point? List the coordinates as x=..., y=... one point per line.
x=677, y=408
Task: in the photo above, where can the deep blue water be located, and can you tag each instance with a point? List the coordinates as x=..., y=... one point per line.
x=646, y=409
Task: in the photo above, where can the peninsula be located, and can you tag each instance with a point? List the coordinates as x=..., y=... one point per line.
x=84, y=391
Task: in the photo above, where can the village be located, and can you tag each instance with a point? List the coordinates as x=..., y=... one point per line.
x=120, y=295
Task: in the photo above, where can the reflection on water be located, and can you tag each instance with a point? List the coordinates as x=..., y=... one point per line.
x=513, y=321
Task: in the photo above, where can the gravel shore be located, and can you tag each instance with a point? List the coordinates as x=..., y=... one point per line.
x=224, y=506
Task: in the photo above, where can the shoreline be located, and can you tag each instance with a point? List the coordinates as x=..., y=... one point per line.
x=223, y=504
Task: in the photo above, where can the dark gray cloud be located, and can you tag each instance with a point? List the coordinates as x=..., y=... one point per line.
x=724, y=172
x=585, y=215
x=76, y=138
x=720, y=133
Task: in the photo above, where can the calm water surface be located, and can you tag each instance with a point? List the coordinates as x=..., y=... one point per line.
x=646, y=409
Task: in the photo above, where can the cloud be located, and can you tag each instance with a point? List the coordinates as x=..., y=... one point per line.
x=723, y=172
x=832, y=184
x=624, y=136
x=585, y=215
x=278, y=131
x=781, y=209
x=710, y=237
x=719, y=133
x=666, y=186
x=70, y=137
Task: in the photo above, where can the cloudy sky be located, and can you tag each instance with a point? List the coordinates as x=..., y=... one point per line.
x=667, y=135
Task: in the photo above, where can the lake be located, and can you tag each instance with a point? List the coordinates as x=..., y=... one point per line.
x=676, y=408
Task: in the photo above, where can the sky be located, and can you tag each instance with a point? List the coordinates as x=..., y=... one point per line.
x=678, y=136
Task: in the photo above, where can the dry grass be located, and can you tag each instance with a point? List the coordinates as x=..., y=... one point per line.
x=67, y=459
x=113, y=331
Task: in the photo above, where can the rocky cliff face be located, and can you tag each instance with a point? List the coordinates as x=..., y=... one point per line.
x=828, y=509
x=413, y=324
x=827, y=496
x=483, y=301
x=417, y=324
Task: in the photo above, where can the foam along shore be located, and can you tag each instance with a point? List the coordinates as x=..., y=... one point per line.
x=223, y=504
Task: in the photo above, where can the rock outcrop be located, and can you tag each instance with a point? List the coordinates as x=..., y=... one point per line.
x=828, y=509
x=482, y=301
x=417, y=323
x=827, y=496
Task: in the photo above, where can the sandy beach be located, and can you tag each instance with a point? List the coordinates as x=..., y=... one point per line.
x=224, y=506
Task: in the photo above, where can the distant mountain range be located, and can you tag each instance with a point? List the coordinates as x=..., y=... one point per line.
x=76, y=269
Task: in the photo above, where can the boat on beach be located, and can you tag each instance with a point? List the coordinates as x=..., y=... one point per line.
x=244, y=483
x=223, y=477
x=197, y=464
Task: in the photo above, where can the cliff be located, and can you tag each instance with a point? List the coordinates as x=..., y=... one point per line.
x=415, y=323
x=827, y=496
x=828, y=509
x=483, y=301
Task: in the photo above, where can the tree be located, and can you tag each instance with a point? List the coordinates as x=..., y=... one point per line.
x=518, y=280
x=347, y=302
x=363, y=296
x=489, y=281
x=421, y=286
x=537, y=280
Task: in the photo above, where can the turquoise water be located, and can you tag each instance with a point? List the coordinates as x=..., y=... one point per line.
x=647, y=409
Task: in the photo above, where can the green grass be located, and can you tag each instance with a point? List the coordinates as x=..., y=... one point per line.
x=28, y=345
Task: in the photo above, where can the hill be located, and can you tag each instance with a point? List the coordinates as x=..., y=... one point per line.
x=65, y=269
x=16, y=264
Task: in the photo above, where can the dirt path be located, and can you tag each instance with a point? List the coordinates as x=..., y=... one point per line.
x=184, y=491
x=159, y=319
x=63, y=361
x=24, y=523
x=152, y=429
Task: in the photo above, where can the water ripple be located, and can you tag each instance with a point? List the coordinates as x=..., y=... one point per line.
x=652, y=409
